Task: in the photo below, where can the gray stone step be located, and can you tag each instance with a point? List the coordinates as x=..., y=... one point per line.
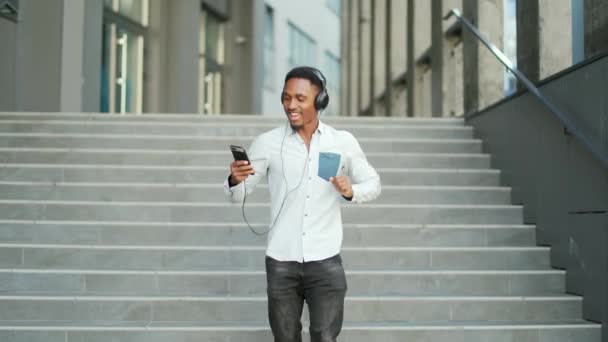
x=248, y=309
x=247, y=283
x=204, y=174
x=197, y=143
x=214, y=192
x=227, y=234
x=255, y=212
x=222, y=129
x=108, y=257
x=554, y=331
x=220, y=158
x=110, y=250
x=224, y=118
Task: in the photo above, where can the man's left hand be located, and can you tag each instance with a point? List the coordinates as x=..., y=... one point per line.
x=343, y=185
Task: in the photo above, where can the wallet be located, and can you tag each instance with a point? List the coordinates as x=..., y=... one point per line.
x=329, y=163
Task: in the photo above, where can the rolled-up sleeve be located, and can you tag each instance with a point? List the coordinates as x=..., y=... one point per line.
x=259, y=160
x=365, y=180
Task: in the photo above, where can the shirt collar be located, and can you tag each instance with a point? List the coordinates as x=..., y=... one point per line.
x=320, y=129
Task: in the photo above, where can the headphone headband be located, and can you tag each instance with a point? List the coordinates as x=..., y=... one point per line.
x=322, y=98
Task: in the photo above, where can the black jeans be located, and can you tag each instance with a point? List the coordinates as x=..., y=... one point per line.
x=321, y=283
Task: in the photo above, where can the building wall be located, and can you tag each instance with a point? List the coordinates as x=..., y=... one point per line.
x=596, y=27
x=318, y=21
x=245, y=61
x=562, y=185
x=8, y=33
x=52, y=59
x=544, y=37
x=460, y=73
x=39, y=56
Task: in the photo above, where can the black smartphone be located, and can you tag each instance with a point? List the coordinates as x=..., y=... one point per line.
x=239, y=153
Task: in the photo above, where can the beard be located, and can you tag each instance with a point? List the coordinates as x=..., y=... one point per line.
x=296, y=127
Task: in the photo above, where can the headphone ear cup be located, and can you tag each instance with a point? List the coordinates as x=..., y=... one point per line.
x=322, y=100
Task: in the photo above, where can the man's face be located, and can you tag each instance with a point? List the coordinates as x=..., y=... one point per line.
x=298, y=100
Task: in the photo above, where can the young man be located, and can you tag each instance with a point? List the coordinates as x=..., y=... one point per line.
x=305, y=233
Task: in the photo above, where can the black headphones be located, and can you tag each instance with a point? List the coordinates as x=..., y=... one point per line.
x=322, y=98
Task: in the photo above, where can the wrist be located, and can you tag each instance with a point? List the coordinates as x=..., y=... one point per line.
x=348, y=195
x=231, y=181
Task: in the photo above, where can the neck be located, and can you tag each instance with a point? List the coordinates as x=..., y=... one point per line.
x=307, y=131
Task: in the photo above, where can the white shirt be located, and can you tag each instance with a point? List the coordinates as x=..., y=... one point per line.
x=309, y=226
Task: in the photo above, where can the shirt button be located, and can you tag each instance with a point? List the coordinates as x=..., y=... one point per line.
x=304, y=234
x=309, y=177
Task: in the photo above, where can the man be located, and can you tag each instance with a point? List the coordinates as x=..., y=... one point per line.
x=305, y=234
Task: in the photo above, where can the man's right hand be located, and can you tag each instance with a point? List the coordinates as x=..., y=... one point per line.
x=239, y=171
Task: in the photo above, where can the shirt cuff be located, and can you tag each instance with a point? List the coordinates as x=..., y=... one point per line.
x=230, y=184
x=227, y=187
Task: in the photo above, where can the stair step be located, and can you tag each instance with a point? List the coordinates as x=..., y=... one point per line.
x=248, y=283
x=205, y=174
x=212, y=192
x=227, y=234
x=564, y=331
x=224, y=118
x=234, y=309
x=115, y=227
x=221, y=129
x=256, y=212
x=110, y=257
x=202, y=143
x=219, y=158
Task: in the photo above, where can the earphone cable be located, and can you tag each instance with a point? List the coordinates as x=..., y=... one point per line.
x=286, y=187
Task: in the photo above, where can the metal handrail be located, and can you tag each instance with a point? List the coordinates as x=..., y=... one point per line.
x=561, y=116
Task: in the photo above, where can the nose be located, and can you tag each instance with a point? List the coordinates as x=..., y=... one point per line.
x=290, y=104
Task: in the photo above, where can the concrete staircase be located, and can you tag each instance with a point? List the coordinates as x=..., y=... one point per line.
x=115, y=228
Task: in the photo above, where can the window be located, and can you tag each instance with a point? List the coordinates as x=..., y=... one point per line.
x=122, y=66
x=269, y=48
x=578, y=31
x=136, y=10
x=211, y=64
x=510, y=42
x=332, y=73
x=302, y=48
x=334, y=6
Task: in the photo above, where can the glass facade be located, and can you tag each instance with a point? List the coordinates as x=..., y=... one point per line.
x=302, y=48
x=269, y=64
x=123, y=56
x=334, y=6
x=332, y=73
x=211, y=64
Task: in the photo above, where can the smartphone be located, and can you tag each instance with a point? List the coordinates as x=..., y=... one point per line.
x=239, y=153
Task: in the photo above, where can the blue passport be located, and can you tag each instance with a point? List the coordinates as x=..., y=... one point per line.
x=329, y=163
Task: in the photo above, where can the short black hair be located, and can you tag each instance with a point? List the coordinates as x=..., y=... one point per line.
x=307, y=73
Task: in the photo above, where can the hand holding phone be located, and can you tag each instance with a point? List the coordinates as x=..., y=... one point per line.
x=241, y=168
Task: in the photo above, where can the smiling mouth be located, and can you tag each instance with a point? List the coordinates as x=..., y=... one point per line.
x=293, y=116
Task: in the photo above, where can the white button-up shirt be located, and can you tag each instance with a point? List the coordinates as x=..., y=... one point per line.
x=309, y=226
